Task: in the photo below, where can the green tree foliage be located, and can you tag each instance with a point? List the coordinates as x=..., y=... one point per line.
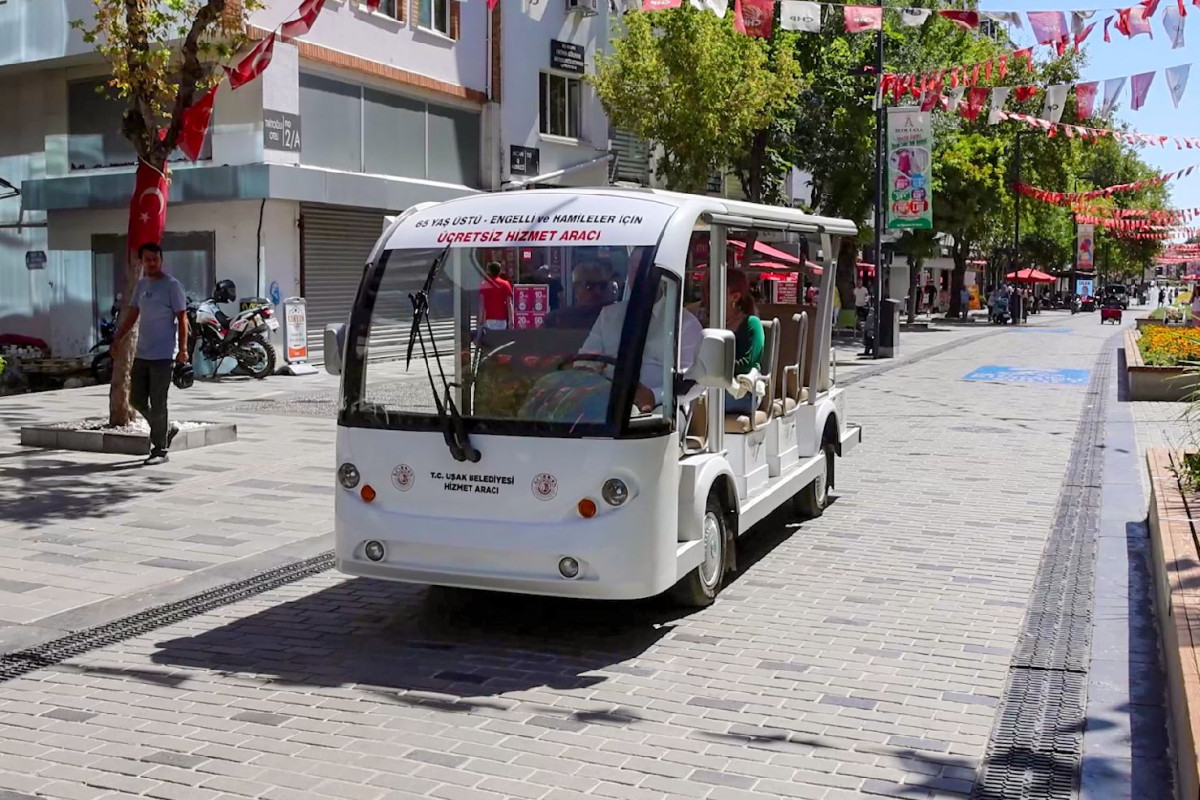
x=688, y=81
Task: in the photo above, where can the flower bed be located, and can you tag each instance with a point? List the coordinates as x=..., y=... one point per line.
x=1170, y=379
x=1163, y=346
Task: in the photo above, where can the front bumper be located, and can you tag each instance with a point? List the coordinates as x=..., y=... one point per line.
x=851, y=439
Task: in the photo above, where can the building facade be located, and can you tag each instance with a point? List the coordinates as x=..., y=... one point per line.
x=369, y=113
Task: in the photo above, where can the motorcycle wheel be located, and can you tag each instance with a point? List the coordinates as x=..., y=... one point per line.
x=259, y=361
x=102, y=368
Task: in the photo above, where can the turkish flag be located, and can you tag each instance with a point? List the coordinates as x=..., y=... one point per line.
x=1025, y=93
x=306, y=15
x=147, y=207
x=194, y=124
x=967, y=20
x=1085, y=99
x=862, y=18
x=975, y=100
x=253, y=65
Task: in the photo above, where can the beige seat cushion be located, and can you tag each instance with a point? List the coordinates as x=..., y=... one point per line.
x=741, y=422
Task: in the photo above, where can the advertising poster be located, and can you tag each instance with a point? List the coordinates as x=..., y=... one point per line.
x=531, y=304
x=909, y=166
x=1085, y=287
x=1086, y=259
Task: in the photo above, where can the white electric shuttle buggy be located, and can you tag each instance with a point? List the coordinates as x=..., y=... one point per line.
x=579, y=448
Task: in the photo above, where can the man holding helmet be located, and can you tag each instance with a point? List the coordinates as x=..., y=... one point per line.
x=159, y=308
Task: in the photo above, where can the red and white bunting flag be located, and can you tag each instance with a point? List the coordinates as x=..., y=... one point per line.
x=194, y=122
x=1173, y=22
x=1139, y=86
x=800, y=15
x=302, y=23
x=1151, y=6
x=1026, y=93
x=1083, y=34
x=999, y=98
x=1112, y=90
x=1134, y=21
x=254, y=63
x=966, y=20
x=1048, y=26
x=954, y=98
x=1177, y=78
x=862, y=18
x=1085, y=99
x=1025, y=54
x=1078, y=20
x=757, y=17
x=1056, y=101
x=739, y=24
x=914, y=17
x=373, y=5
x=1003, y=67
x=1006, y=17
x=662, y=5
x=975, y=100
x=1107, y=22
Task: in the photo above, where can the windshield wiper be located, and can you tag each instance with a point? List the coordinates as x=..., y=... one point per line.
x=454, y=431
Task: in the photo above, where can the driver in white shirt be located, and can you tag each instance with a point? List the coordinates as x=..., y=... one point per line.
x=605, y=339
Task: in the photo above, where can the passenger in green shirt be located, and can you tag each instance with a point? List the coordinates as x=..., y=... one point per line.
x=741, y=318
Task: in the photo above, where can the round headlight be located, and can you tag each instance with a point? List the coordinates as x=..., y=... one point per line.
x=568, y=567
x=348, y=476
x=614, y=491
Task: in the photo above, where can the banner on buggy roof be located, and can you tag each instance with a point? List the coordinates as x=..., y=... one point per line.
x=545, y=220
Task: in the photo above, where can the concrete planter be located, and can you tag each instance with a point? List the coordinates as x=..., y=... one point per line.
x=1146, y=322
x=1176, y=566
x=1164, y=384
x=87, y=439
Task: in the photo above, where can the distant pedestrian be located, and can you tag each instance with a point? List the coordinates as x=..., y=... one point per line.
x=1162, y=296
x=964, y=301
x=869, y=329
x=159, y=309
x=861, y=298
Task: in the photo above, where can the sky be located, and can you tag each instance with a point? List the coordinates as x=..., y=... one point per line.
x=1123, y=57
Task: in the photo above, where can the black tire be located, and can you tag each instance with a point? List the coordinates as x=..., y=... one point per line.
x=263, y=366
x=700, y=587
x=811, y=501
x=102, y=368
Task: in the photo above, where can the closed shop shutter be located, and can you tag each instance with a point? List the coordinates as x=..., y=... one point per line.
x=336, y=243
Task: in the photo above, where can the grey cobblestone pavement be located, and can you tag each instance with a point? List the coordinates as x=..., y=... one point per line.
x=863, y=653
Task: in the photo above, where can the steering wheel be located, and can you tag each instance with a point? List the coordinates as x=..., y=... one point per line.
x=602, y=359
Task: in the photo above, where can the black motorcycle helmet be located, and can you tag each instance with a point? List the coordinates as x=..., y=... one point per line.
x=183, y=376
x=225, y=291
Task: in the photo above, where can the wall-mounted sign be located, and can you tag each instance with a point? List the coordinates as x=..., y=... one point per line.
x=281, y=131
x=567, y=56
x=524, y=160
x=35, y=259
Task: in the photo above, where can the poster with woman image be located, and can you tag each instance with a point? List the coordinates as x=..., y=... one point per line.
x=909, y=149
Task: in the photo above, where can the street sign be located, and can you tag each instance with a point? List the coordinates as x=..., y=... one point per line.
x=524, y=160
x=35, y=259
x=281, y=131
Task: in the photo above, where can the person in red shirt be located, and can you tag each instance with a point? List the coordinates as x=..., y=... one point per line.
x=495, y=300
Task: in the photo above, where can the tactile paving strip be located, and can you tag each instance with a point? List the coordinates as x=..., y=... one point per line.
x=1036, y=744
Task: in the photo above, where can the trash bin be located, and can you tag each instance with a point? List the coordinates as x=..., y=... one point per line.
x=889, y=329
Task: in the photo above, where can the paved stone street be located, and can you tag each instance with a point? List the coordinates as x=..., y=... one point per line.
x=863, y=653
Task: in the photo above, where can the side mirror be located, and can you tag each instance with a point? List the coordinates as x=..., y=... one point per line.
x=335, y=344
x=715, y=357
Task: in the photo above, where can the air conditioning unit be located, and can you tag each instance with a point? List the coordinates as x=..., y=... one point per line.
x=587, y=8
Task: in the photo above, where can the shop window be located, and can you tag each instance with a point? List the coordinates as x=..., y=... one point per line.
x=561, y=98
x=394, y=8
x=94, y=129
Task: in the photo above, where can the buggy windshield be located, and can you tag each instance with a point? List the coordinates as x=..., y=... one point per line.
x=555, y=335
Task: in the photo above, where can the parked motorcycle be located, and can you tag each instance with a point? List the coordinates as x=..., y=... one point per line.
x=102, y=362
x=1076, y=304
x=244, y=338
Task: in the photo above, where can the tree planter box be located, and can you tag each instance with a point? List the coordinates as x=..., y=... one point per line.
x=1176, y=565
x=88, y=436
x=1169, y=384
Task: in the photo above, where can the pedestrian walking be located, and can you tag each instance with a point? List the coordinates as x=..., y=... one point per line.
x=495, y=300
x=869, y=329
x=964, y=301
x=1162, y=296
x=159, y=308
x=861, y=298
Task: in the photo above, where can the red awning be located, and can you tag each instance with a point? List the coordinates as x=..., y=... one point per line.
x=766, y=250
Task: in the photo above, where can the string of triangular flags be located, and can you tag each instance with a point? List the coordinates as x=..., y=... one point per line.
x=1052, y=28
x=1069, y=198
x=196, y=118
x=1125, y=225
x=1156, y=215
x=960, y=79
x=1053, y=129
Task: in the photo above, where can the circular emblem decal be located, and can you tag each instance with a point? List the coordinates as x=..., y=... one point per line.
x=545, y=486
x=403, y=477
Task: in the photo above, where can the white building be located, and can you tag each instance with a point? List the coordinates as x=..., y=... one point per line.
x=389, y=107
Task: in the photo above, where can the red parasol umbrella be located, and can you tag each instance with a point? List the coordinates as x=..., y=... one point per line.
x=1028, y=275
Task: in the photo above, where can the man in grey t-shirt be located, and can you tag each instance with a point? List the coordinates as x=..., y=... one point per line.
x=159, y=309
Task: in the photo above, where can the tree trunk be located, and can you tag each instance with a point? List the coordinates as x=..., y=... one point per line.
x=847, y=261
x=147, y=219
x=957, y=276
